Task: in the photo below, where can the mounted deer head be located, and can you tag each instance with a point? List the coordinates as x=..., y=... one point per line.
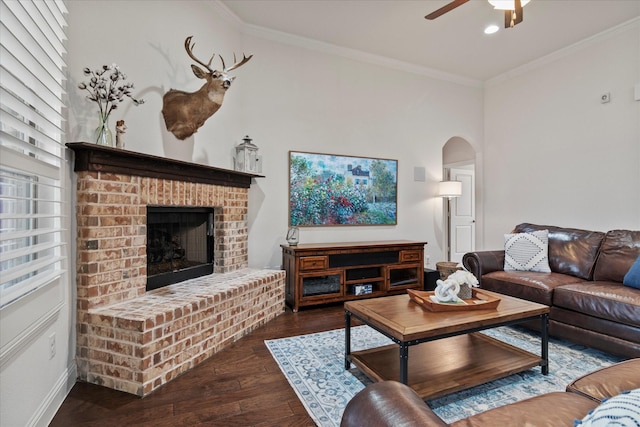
x=185, y=112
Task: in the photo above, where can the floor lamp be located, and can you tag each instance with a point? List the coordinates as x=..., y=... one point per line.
x=449, y=190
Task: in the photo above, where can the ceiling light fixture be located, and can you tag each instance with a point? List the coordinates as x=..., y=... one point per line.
x=491, y=29
x=506, y=4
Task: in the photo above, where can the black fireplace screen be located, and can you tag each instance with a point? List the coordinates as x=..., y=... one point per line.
x=179, y=244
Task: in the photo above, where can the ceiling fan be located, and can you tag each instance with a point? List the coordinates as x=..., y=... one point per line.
x=512, y=10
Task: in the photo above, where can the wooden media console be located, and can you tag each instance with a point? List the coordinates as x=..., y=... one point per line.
x=319, y=273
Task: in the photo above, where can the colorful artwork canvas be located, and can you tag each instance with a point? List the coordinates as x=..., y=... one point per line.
x=332, y=190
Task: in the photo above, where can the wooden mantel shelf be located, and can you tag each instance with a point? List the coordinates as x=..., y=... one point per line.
x=98, y=158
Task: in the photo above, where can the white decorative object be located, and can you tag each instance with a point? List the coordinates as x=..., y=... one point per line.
x=121, y=129
x=448, y=290
x=247, y=158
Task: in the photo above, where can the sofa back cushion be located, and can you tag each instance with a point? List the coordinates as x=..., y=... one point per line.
x=571, y=251
x=619, y=251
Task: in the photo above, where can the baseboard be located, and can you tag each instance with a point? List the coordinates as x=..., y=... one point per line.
x=43, y=416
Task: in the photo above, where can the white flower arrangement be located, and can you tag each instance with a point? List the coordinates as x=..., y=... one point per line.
x=107, y=88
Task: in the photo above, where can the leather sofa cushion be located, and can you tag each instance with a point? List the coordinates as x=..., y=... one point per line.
x=548, y=410
x=604, y=300
x=619, y=251
x=609, y=330
x=529, y=285
x=608, y=382
x=571, y=251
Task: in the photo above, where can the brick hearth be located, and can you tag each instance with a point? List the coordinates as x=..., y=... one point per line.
x=135, y=341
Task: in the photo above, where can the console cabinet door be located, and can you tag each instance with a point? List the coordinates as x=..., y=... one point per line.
x=404, y=276
x=322, y=285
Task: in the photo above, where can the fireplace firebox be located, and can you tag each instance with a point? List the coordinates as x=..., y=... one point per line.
x=179, y=244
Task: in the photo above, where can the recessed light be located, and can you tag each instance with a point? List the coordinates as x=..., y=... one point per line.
x=491, y=29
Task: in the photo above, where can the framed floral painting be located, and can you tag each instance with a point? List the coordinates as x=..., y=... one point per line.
x=332, y=190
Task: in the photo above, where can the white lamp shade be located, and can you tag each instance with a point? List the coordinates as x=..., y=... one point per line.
x=506, y=4
x=450, y=189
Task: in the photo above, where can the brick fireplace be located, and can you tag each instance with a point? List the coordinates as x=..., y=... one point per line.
x=135, y=341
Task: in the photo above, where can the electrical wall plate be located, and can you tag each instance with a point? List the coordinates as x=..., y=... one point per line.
x=605, y=97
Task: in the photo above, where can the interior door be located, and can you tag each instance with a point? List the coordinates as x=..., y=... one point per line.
x=463, y=215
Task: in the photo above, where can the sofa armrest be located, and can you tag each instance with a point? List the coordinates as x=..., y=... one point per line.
x=609, y=381
x=388, y=404
x=480, y=263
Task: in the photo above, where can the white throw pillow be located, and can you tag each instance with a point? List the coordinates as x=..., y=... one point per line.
x=622, y=410
x=527, y=251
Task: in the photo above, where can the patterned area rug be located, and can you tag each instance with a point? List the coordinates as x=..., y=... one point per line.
x=314, y=366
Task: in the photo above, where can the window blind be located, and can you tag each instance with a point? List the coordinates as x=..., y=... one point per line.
x=32, y=79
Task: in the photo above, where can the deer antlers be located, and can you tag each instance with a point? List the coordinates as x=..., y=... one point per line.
x=189, y=48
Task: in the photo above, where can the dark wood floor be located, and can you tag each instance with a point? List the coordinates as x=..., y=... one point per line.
x=240, y=386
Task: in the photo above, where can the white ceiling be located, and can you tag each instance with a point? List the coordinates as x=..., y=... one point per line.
x=454, y=43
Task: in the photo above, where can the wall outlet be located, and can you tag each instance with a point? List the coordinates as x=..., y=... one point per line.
x=427, y=260
x=605, y=97
x=52, y=346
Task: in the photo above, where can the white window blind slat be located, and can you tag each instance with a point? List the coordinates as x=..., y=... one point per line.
x=12, y=178
x=28, y=96
x=17, y=253
x=57, y=10
x=33, y=38
x=46, y=36
x=29, y=132
x=29, y=73
x=27, y=233
x=12, y=294
x=28, y=268
x=10, y=103
x=26, y=157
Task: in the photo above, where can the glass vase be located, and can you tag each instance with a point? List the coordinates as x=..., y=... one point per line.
x=103, y=135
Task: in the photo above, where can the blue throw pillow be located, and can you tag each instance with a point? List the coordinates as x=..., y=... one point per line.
x=632, y=278
x=622, y=410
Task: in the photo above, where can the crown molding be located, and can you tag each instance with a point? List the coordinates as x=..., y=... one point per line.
x=331, y=49
x=565, y=52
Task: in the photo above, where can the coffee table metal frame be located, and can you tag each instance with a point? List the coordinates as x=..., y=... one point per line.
x=404, y=345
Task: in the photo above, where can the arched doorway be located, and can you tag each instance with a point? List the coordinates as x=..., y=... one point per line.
x=459, y=217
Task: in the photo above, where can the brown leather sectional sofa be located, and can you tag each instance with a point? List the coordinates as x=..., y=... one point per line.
x=392, y=404
x=589, y=303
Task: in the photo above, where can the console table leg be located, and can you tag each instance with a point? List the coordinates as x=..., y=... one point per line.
x=347, y=339
x=404, y=363
x=544, y=331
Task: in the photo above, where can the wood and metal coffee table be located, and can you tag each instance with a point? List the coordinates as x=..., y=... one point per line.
x=447, y=352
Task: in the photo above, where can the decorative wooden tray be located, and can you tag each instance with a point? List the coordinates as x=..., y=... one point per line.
x=479, y=301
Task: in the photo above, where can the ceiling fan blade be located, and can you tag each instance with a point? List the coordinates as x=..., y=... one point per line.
x=513, y=17
x=446, y=8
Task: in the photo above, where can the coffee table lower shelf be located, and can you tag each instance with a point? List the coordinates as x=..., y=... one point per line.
x=448, y=365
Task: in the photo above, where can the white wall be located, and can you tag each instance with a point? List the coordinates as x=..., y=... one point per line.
x=285, y=98
x=307, y=101
x=554, y=154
